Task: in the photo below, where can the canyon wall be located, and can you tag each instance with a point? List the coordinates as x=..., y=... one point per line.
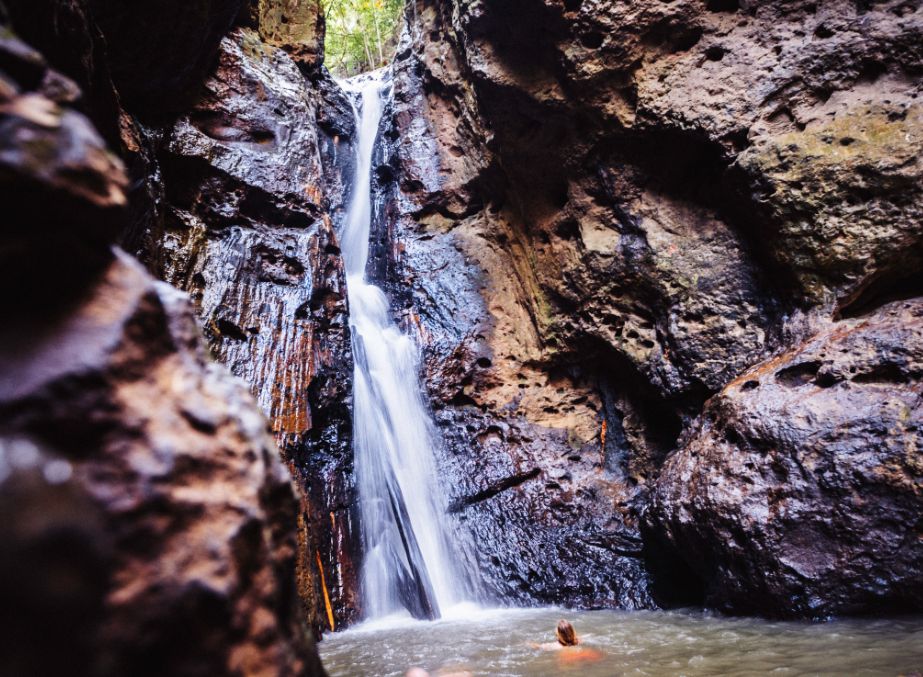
x=649, y=249
x=663, y=261
x=252, y=180
x=150, y=523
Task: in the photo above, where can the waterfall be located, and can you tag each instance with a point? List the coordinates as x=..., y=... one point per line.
x=407, y=561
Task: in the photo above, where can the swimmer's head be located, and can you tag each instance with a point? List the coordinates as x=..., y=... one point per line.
x=566, y=634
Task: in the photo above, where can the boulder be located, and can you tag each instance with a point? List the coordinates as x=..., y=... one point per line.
x=148, y=515
x=799, y=491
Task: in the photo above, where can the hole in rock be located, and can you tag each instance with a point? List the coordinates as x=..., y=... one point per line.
x=798, y=374
x=591, y=40
x=412, y=186
x=715, y=53
x=462, y=400
x=826, y=379
x=568, y=230
x=883, y=289
x=722, y=5
x=871, y=71
x=228, y=329
x=385, y=174
x=732, y=436
x=889, y=372
x=687, y=40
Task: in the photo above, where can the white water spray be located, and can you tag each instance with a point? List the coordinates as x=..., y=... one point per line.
x=407, y=562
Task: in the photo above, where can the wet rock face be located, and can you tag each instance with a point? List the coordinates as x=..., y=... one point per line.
x=252, y=177
x=150, y=526
x=608, y=211
x=168, y=539
x=799, y=491
x=159, y=55
x=54, y=161
x=296, y=27
x=554, y=528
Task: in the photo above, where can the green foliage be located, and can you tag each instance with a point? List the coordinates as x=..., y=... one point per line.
x=361, y=34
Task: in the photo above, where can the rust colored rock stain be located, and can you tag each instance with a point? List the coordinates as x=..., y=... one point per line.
x=323, y=583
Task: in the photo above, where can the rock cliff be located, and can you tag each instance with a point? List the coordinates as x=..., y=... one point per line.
x=151, y=525
x=607, y=212
x=663, y=260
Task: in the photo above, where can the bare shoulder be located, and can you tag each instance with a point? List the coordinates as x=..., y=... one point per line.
x=580, y=654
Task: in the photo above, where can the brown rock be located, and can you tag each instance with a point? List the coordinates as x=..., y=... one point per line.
x=800, y=490
x=149, y=525
x=250, y=183
x=165, y=540
x=610, y=210
x=160, y=54
x=295, y=26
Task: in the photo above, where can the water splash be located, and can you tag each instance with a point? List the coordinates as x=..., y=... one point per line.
x=407, y=554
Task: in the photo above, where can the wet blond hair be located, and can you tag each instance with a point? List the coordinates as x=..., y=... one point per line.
x=567, y=636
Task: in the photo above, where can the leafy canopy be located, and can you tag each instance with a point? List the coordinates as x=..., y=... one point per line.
x=361, y=34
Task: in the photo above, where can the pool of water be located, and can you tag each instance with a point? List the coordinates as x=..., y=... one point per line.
x=497, y=643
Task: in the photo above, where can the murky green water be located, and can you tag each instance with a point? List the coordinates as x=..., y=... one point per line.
x=496, y=643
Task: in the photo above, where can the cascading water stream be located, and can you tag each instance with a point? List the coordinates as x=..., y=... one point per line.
x=407, y=561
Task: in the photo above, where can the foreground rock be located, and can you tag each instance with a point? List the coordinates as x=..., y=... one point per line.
x=64, y=189
x=145, y=503
x=149, y=525
x=235, y=143
x=800, y=491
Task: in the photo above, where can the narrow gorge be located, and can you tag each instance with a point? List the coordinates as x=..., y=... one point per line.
x=601, y=309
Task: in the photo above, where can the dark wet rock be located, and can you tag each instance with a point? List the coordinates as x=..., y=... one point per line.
x=607, y=212
x=160, y=54
x=64, y=190
x=296, y=27
x=541, y=527
x=253, y=176
x=150, y=526
x=798, y=493
x=165, y=538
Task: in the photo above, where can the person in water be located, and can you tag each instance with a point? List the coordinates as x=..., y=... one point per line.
x=566, y=634
x=568, y=643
